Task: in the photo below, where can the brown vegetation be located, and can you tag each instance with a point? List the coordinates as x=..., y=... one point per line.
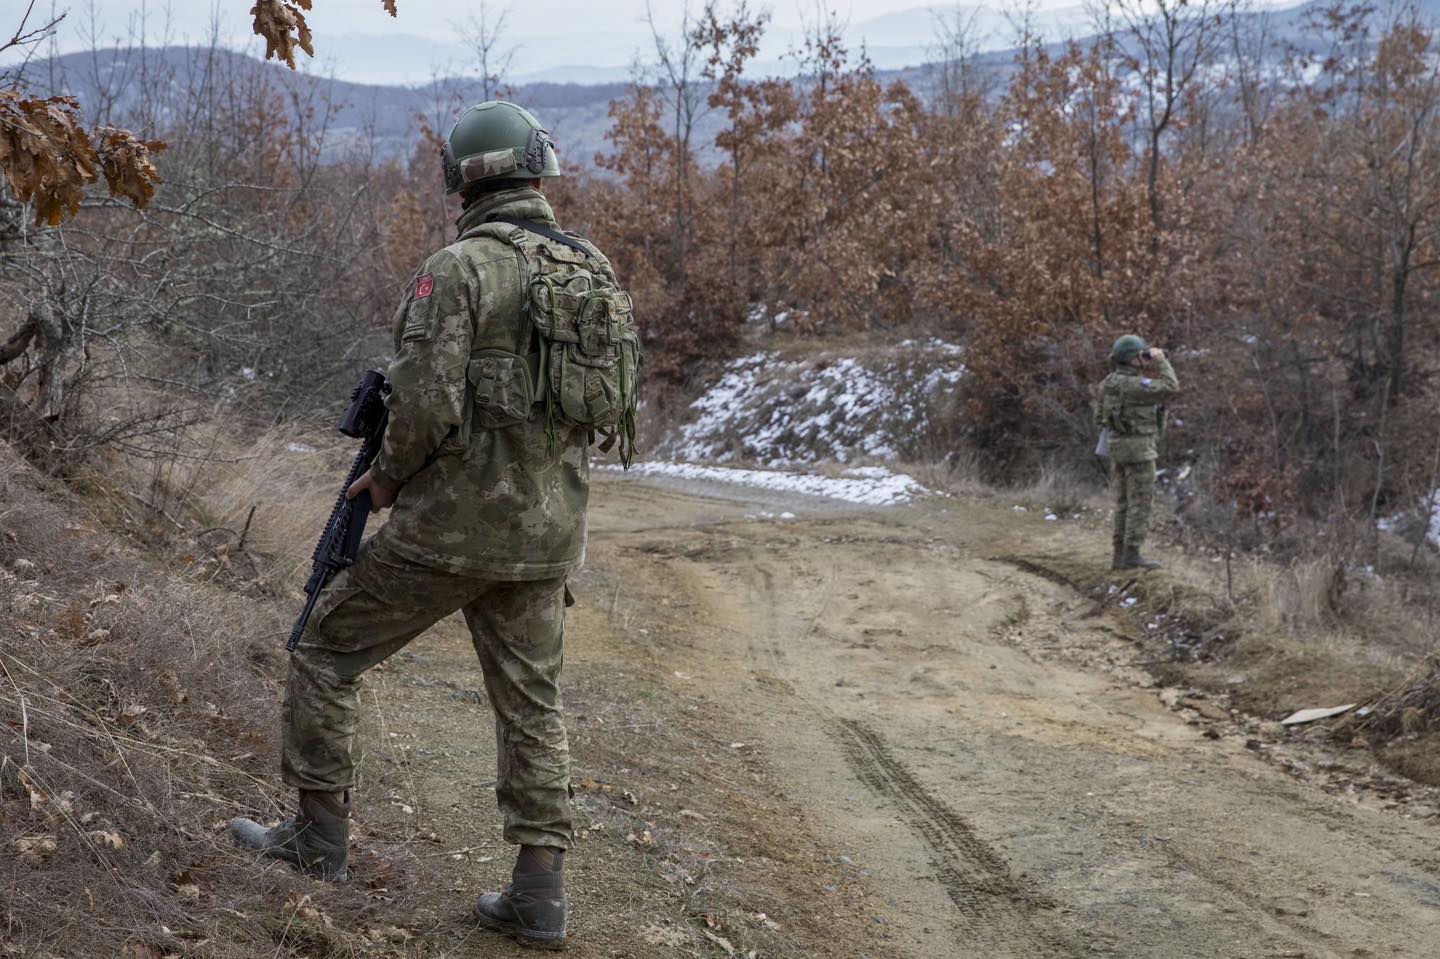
x=1266, y=213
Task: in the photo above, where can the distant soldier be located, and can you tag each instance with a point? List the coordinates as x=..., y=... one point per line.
x=1130, y=412
x=513, y=348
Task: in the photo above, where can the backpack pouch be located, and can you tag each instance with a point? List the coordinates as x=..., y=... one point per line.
x=502, y=387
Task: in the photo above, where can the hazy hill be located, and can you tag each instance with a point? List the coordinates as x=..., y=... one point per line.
x=114, y=82
x=117, y=83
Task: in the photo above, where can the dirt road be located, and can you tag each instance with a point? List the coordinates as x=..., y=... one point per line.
x=881, y=733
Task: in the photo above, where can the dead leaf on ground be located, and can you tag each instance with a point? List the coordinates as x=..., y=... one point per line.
x=38, y=797
x=72, y=624
x=170, y=682
x=187, y=887
x=720, y=941
x=34, y=850
x=107, y=838
x=301, y=907
x=658, y=935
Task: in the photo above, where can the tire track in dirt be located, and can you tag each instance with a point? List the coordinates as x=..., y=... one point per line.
x=978, y=738
x=995, y=909
x=1000, y=918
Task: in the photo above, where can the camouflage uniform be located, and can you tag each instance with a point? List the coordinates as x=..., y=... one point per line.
x=490, y=520
x=1130, y=404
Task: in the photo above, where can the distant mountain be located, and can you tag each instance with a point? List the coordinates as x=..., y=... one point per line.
x=385, y=116
x=893, y=41
x=123, y=84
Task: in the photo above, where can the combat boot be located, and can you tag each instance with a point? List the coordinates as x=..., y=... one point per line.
x=532, y=909
x=1133, y=560
x=316, y=840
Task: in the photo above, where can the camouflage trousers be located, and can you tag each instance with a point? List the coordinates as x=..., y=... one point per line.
x=371, y=611
x=1134, y=485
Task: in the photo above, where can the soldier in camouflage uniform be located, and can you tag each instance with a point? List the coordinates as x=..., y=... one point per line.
x=1130, y=409
x=488, y=518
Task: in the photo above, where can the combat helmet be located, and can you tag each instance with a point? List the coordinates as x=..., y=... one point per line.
x=1126, y=348
x=497, y=140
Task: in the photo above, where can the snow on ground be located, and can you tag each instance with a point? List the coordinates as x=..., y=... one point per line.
x=777, y=412
x=1407, y=524
x=896, y=404
x=871, y=486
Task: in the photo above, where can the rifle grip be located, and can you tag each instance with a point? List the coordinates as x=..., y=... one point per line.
x=355, y=531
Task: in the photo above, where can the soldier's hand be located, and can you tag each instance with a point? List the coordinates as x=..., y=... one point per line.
x=380, y=497
x=1156, y=354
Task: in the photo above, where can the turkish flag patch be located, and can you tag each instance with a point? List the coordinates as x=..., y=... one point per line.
x=424, y=286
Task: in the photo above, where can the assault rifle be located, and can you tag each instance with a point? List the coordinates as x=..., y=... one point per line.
x=365, y=420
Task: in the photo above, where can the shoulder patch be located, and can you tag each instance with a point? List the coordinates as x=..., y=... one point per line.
x=1146, y=381
x=424, y=286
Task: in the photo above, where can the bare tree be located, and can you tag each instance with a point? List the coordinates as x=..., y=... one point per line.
x=30, y=33
x=680, y=64
x=956, y=44
x=483, y=32
x=1251, y=46
x=1165, y=44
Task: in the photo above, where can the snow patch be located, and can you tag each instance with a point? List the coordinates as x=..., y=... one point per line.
x=779, y=413
x=876, y=487
x=1407, y=524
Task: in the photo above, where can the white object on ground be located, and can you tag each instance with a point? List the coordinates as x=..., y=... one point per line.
x=872, y=489
x=1313, y=715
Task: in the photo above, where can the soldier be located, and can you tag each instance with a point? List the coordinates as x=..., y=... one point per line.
x=488, y=479
x=1130, y=409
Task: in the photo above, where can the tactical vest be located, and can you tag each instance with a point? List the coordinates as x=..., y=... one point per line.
x=577, y=350
x=1127, y=418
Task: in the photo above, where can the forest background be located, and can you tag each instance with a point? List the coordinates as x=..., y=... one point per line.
x=1267, y=206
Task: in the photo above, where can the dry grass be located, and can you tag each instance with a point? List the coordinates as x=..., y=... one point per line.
x=138, y=696
x=271, y=487
x=1061, y=489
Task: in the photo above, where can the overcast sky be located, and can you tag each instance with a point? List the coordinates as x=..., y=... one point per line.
x=424, y=16
x=566, y=40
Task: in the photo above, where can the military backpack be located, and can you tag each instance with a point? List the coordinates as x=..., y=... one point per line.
x=585, y=355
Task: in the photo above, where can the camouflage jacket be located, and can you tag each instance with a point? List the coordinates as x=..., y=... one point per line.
x=482, y=490
x=1130, y=403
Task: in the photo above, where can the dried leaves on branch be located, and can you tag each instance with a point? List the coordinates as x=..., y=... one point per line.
x=282, y=23
x=126, y=162
x=49, y=158
x=284, y=28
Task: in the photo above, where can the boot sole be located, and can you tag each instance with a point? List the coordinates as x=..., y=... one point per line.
x=519, y=934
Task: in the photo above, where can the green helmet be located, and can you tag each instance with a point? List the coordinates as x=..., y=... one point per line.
x=497, y=140
x=1126, y=348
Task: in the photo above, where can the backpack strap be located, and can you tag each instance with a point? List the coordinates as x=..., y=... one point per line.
x=530, y=226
